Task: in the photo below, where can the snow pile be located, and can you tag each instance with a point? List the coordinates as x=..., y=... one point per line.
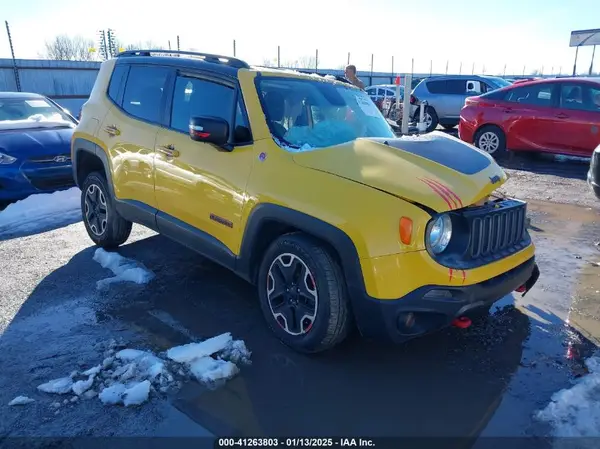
x=197, y=357
x=21, y=400
x=41, y=211
x=124, y=270
x=574, y=412
x=36, y=121
x=128, y=376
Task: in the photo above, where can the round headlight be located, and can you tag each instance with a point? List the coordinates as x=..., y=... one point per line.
x=440, y=233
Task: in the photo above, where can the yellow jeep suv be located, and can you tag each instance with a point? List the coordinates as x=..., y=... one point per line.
x=297, y=183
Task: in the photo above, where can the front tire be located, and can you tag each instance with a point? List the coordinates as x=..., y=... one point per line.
x=303, y=294
x=492, y=140
x=103, y=223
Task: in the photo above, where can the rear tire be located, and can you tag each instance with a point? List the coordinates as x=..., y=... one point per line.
x=103, y=223
x=302, y=294
x=430, y=117
x=492, y=140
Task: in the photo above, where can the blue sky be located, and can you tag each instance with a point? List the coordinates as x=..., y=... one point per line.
x=518, y=33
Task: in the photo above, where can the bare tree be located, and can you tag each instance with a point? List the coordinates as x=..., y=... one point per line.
x=307, y=62
x=147, y=45
x=67, y=48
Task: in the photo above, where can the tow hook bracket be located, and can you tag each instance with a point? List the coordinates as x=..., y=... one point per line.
x=461, y=322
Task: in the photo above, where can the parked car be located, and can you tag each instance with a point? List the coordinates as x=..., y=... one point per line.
x=557, y=115
x=379, y=92
x=292, y=182
x=35, y=137
x=446, y=95
x=594, y=172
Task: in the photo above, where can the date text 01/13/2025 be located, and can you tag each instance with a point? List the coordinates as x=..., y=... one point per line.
x=293, y=442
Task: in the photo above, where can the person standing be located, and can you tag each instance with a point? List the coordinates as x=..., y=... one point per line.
x=350, y=74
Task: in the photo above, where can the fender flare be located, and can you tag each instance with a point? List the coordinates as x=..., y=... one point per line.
x=80, y=146
x=332, y=235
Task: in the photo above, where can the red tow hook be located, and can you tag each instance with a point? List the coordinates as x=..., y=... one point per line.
x=462, y=322
x=521, y=289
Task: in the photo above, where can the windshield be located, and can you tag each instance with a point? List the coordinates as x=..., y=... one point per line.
x=17, y=113
x=307, y=114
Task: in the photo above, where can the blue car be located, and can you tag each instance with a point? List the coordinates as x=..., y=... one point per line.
x=35, y=146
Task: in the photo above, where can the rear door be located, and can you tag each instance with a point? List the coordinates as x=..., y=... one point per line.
x=529, y=117
x=455, y=98
x=129, y=129
x=578, y=118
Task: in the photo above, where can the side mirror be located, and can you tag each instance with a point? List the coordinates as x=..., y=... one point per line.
x=210, y=130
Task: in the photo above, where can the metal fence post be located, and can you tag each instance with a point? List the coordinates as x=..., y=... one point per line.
x=234, y=48
x=278, y=56
x=12, y=52
x=317, y=61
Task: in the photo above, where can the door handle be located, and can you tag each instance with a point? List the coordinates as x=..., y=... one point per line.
x=168, y=150
x=561, y=115
x=112, y=130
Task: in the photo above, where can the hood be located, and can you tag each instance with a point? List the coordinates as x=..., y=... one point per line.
x=35, y=143
x=434, y=170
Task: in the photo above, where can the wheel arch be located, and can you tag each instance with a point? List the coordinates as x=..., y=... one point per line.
x=266, y=222
x=88, y=157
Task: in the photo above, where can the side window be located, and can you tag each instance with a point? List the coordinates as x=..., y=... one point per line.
x=474, y=87
x=372, y=91
x=143, y=92
x=194, y=97
x=436, y=87
x=116, y=82
x=536, y=95
x=580, y=97
x=594, y=96
x=456, y=87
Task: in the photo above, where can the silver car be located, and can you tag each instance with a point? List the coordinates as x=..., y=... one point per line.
x=446, y=95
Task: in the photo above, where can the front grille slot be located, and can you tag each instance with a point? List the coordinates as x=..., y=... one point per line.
x=495, y=230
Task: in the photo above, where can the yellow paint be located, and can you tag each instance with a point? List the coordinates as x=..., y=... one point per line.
x=330, y=184
x=202, y=181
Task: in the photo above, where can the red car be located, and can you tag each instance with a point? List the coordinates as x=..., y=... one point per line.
x=560, y=115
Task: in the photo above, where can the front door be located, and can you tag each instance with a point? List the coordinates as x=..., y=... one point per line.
x=578, y=119
x=129, y=130
x=200, y=189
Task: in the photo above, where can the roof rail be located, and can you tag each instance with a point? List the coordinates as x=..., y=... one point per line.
x=215, y=59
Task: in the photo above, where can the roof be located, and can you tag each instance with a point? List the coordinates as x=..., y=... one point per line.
x=389, y=86
x=575, y=79
x=186, y=62
x=453, y=77
x=223, y=65
x=7, y=95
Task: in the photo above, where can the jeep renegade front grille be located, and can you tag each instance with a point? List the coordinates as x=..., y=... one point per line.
x=497, y=231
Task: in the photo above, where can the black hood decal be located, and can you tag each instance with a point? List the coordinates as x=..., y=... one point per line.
x=446, y=151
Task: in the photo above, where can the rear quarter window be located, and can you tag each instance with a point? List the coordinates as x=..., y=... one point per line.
x=117, y=80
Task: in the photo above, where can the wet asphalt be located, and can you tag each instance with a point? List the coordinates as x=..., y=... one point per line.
x=484, y=381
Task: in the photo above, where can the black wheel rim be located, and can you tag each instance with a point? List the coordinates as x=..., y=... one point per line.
x=292, y=294
x=96, y=212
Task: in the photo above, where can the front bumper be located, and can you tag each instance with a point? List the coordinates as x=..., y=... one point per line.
x=17, y=183
x=430, y=308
